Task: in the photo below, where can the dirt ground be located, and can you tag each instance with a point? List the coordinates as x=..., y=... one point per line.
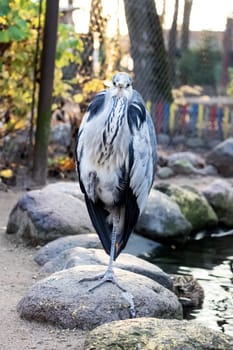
x=19, y=272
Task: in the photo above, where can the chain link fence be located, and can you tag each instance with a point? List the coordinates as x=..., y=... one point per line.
x=182, y=74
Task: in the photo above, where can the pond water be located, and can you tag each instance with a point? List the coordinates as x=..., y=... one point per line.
x=210, y=261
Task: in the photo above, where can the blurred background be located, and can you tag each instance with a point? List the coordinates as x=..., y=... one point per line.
x=179, y=53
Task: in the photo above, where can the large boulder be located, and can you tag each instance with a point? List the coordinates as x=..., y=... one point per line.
x=53, y=249
x=222, y=157
x=193, y=205
x=162, y=220
x=81, y=256
x=64, y=299
x=136, y=245
x=43, y=215
x=195, y=159
x=220, y=195
x=156, y=334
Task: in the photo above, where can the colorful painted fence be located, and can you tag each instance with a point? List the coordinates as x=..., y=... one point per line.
x=197, y=120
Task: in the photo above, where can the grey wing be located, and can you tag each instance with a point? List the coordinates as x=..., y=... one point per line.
x=142, y=170
x=95, y=106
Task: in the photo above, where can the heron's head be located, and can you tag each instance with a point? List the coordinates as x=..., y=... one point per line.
x=122, y=85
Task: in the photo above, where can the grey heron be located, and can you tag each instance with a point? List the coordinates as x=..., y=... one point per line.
x=116, y=158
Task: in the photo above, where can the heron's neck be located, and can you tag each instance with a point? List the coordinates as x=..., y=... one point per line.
x=115, y=117
x=114, y=125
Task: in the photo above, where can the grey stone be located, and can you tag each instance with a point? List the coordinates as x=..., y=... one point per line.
x=64, y=300
x=220, y=195
x=136, y=245
x=208, y=170
x=163, y=220
x=81, y=256
x=53, y=249
x=192, y=204
x=165, y=172
x=195, y=159
x=163, y=139
x=222, y=157
x=69, y=188
x=195, y=142
x=179, y=139
x=151, y=333
x=139, y=245
x=61, y=134
x=43, y=215
x=184, y=167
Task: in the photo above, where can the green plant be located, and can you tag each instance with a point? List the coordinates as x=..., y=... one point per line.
x=18, y=34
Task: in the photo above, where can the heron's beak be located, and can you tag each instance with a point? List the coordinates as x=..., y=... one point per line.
x=120, y=89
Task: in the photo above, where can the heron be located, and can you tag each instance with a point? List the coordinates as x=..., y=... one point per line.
x=116, y=161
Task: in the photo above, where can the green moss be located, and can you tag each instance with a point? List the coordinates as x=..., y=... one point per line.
x=193, y=205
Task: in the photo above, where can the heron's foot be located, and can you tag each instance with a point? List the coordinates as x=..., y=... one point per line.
x=94, y=278
x=108, y=276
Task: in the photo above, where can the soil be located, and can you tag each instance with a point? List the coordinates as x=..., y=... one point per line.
x=19, y=272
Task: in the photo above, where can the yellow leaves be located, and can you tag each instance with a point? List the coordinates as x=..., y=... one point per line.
x=6, y=173
x=5, y=74
x=61, y=165
x=78, y=98
x=67, y=164
x=94, y=85
x=3, y=20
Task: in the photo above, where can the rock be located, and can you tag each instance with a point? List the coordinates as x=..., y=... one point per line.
x=193, y=205
x=195, y=142
x=178, y=139
x=15, y=149
x=64, y=300
x=69, y=188
x=52, y=249
x=162, y=220
x=136, y=245
x=43, y=215
x=151, y=333
x=163, y=139
x=222, y=157
x=139, y=245
x=186, y=163
x=81, y=256
x=165, y=172
x=61, y=134
x=195, y=159
x=220, y=195
x=208, y=170
x=184, y=167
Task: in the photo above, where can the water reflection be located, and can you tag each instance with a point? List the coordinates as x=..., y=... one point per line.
x=210, y=261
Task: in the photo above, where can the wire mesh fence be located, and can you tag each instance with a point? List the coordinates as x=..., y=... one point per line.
x=181, y=73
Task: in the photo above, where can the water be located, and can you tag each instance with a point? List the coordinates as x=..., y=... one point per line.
x=210, y=261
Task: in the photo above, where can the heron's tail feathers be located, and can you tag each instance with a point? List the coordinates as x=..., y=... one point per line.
x=102, y=221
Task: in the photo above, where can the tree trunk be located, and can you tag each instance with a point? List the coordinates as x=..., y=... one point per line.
x=227, y=57
x=172, y=44
x=185, y=25
x=40, y=160
x=148, y=50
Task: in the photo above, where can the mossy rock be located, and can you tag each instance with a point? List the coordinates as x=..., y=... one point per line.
x=220, y=195
x=193, y=205
x=156, y=334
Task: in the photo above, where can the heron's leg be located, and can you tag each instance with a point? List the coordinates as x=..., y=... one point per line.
x=109, y=275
